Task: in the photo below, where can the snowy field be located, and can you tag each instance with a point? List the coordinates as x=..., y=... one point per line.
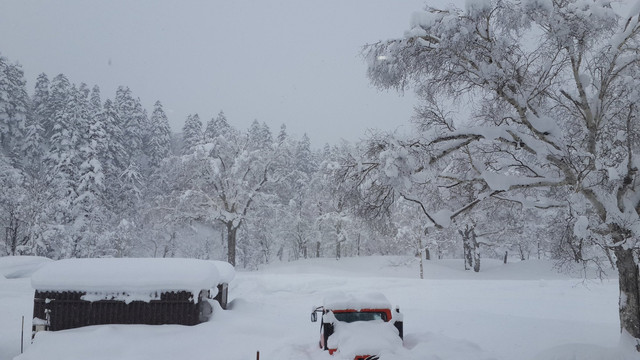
x=521, y=310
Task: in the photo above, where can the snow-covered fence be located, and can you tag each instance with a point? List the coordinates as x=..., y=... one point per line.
x=81, y=292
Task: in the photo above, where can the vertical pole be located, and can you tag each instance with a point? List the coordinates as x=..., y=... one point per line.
x=420, y=252
x=22, y=336
x=258, y=355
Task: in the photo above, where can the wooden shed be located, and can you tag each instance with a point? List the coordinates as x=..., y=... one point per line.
x=73, y=293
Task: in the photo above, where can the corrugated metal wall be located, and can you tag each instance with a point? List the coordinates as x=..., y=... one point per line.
x=66, y=310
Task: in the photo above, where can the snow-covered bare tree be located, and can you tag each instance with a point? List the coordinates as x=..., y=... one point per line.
x=554, y=87
x=223, y=178
x=335, y=199
x=12, y=198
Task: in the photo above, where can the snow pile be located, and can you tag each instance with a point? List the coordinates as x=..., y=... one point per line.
x=364, y=338
x=429, y=346
x=133, y=278
x=355, y=301
x=588, y=352
x=13, y=267
x=500, y=313
x=227, y=271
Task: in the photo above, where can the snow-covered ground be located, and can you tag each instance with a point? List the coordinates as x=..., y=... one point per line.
x=522, y=310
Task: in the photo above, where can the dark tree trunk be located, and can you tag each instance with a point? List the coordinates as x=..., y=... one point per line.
x=476, y=251
x=231, y=242
x=318, y=249
x=468, y=258
x=11, y=234
x=607, y=251
x=427, y=254
x=340, y=238
x=506, y=254
x=629, y=280
x=280, y=252
x=467, y=248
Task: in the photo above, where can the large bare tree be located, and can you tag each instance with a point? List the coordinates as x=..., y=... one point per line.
x=553, y=91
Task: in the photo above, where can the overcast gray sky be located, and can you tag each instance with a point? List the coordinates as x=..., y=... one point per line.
x=279, y=61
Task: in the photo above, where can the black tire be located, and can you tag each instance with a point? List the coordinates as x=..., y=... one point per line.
x=400, y=326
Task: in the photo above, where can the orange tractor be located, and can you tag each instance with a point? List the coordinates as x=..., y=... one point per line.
x=361, y=326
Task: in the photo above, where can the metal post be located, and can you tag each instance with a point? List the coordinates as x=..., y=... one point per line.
x=22, y=336
x=258, y=355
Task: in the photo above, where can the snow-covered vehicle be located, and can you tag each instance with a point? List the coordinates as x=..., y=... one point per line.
x=361, y=326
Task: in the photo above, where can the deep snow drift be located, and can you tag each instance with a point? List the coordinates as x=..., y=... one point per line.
x=13, y=267
x=127, y=279
x=522, y=310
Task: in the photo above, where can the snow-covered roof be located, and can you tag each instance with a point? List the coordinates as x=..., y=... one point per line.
x=227, y=271
x=20, y=266
x=127, y=274
x=340, y=300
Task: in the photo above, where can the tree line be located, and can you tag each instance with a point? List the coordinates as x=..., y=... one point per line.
x=86, y=177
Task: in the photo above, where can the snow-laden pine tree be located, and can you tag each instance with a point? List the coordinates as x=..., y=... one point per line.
x=210, y=130
x=125, y=104
x=95, y=102
x=160, y=139
x=133, y=123
x=35, y=142
x=282, y=134
x=114, y=158
x=125, y=123
x=216, y=126
x=192, y=134
x=33, y=146
x=554, y=91
x=34, y=181
x=143, y=134
x=91, y=215
x=62, y=161
x=260, y=136
x=14, y=105
x=62, y=152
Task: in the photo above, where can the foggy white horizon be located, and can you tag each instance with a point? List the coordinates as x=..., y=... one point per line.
x=285, y=61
